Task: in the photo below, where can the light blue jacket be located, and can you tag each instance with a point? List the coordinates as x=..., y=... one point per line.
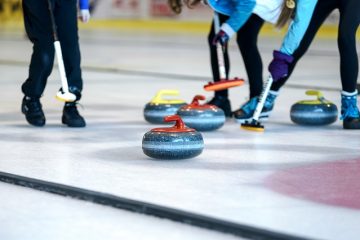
x=239, y=12
x=298, y=26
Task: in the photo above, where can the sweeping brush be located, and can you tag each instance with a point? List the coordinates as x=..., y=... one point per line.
x=63, y=94
x=254, y=124
x=223, y=83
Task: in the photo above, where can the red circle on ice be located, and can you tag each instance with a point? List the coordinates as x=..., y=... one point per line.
x=335, y=183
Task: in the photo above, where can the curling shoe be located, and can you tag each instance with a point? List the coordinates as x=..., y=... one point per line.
x=32, y=109
x=223, y=103
x=246, y=111
x=349, y=110
x=71, y=116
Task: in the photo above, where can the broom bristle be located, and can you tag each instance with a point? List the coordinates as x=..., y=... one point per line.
x=253, y=126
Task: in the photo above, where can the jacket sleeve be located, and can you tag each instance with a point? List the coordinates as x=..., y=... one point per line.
x=241, y=13
x=83, y=4
x=298, y=27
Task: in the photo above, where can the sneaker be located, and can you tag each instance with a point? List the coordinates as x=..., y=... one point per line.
x=71, y=116
x=223, y=103
x=349, y=110
x=32, y=109
x=246, y=111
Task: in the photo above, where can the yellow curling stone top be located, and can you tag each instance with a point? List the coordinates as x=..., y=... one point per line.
x=159, y=97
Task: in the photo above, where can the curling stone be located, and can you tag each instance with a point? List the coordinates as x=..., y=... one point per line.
x=204, y=117
x=159, y=107
x=177, y=142
x=314, y=112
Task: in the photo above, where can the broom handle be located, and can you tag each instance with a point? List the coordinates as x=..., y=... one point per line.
x=219, y=48
x=58, y=51
x=263, y=96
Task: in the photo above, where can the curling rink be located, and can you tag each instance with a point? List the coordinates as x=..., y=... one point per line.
x=303, y=182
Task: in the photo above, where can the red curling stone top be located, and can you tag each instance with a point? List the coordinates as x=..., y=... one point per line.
x=177, y=128
x=196, y=105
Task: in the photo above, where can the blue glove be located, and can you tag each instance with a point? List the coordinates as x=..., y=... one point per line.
x=221, y=37
x=279, y=66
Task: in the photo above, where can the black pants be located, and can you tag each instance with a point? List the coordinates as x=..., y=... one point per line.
x=38, y=28
x=349, y=22
x=247, y=41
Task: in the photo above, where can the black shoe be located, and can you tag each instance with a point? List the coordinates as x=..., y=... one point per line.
x=34, y=114
x=223, y=103
x=71, y=116
x=351, y=123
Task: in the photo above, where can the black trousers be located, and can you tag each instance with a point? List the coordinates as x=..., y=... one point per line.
x=38, y=28
x=348, y=25
x=247, y=41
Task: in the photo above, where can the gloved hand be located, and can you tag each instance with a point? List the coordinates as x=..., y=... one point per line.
x=84, y=15
x=279, y=66
x=221, y=37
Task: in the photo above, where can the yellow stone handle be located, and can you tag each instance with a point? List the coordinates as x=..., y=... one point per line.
x=316, y=93
x=159, y=97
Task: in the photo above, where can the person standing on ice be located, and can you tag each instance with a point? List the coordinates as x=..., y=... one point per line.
x=38, y=27
x=245, y=18
x=349, y=64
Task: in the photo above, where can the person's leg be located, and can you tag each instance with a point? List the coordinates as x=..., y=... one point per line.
x=247, y=38
x=221, y=97
x=38, y=28
x=322, y=10
x=67, y=25
x=349, y=65
x=348, y=25
x=66, y=21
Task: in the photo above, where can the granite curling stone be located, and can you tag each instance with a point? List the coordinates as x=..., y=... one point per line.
x=314, y=112
x=204, y=117
x=177, y=142
x=160, y=107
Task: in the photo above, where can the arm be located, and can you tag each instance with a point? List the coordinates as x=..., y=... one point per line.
x=242, y=10
x=84, y=10
x=84, y=4
x=298, y=26
x=279, y=66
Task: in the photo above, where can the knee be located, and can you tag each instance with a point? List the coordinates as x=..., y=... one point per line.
x=346, y=39
x=210, y=38
x=246, y=44
x=44, y=55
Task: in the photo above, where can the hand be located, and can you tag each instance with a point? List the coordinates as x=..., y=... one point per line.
x=279, y=66
x=84, y=15
x=221, y=37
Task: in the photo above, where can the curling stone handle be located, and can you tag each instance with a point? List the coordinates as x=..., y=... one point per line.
x=316, y=93
x=179, y=124
x=195, y=101
x=159, y=96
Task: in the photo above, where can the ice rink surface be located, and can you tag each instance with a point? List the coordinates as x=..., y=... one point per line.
x=302, y=181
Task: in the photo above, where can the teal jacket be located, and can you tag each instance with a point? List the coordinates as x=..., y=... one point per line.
x=239, y=12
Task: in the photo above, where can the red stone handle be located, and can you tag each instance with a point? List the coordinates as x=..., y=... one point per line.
x=179, y=122
x=177, y=128
x=195, y=101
